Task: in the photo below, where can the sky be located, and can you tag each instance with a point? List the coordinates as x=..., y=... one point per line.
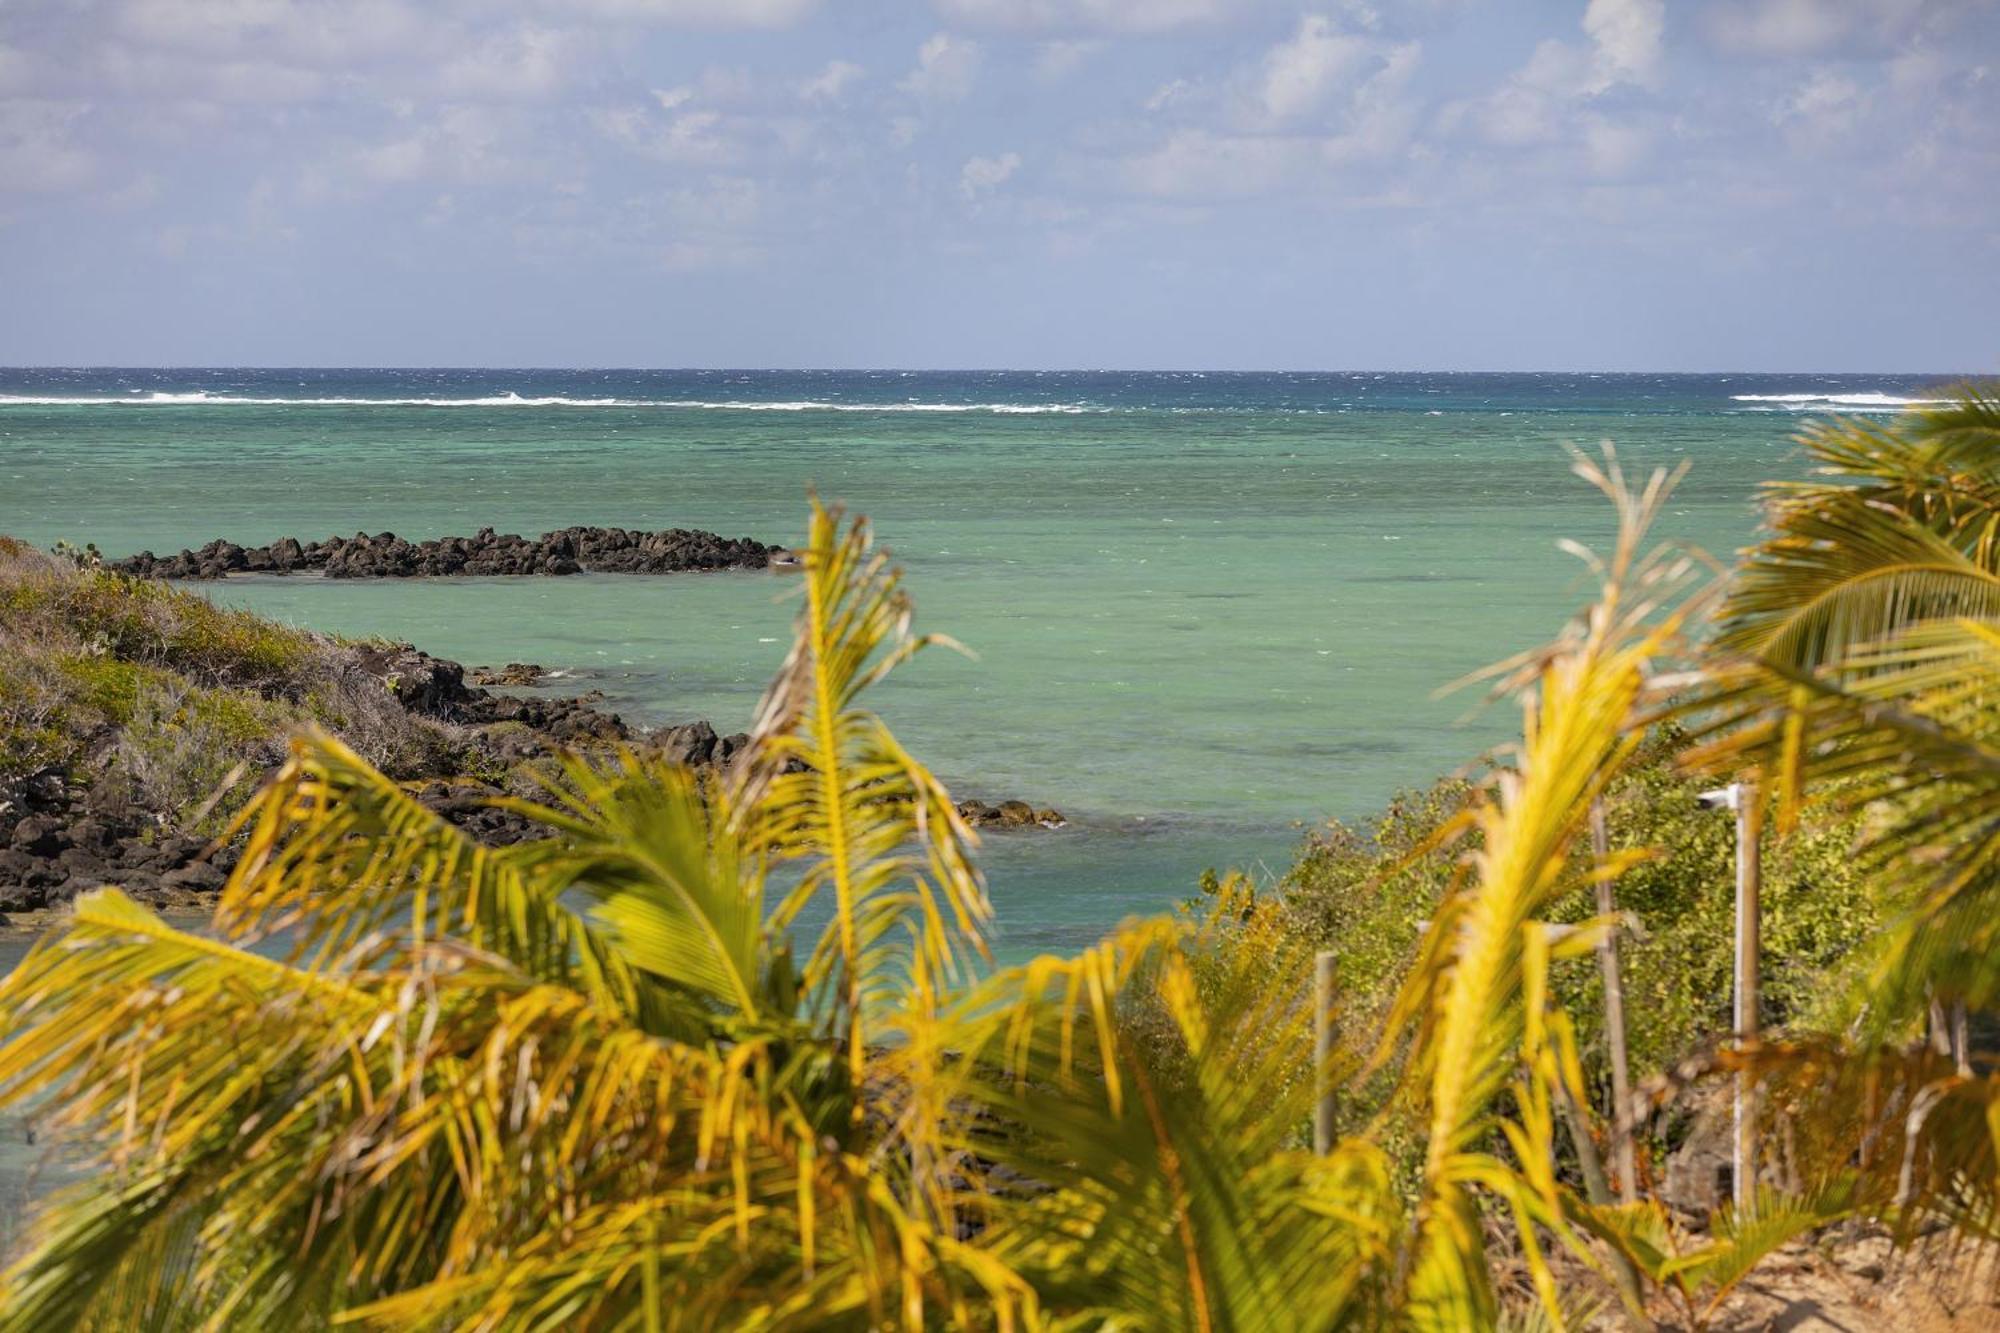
x=1190, y=184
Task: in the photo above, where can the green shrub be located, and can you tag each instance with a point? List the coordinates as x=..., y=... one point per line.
x=1361, y=892
x=183, y=744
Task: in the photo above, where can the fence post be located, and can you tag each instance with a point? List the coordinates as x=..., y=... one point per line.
x=1323, y=1052
x=1614, y=1020
x=1749, y=888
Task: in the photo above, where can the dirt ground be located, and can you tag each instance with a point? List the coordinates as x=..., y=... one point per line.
x=1858, y=1283
x=1851, y=1280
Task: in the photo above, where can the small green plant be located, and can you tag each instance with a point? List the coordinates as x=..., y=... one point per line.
x=1698, y=1270
x=85, y=557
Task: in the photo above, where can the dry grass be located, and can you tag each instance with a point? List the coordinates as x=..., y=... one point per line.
x=160, y=695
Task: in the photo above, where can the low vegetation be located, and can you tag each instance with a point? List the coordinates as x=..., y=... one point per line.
x=162, y=694
x=598, y=1081
x=1363, y=892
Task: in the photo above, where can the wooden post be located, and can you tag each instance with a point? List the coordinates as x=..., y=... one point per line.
x=1614, y=1021
x=1749, y=887
x=1323, y=1133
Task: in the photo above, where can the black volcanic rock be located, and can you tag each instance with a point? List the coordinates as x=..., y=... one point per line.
x=387, y=556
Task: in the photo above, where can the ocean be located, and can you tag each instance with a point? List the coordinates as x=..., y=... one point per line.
x=1207, y=610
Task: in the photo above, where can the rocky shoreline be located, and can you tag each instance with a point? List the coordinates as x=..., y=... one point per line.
x=385, y=555
x=60, y=836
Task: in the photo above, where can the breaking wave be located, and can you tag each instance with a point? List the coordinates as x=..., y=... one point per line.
x=1867, y=401
x=204, y=399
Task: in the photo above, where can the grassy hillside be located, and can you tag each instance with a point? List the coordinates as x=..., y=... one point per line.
x=160, y=694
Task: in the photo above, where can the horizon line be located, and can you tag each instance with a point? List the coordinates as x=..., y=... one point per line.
x=958, y=370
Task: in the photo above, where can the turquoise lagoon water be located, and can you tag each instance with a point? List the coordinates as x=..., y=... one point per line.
x=1208, y=610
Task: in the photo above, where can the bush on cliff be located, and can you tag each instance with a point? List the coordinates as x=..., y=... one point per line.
x=1362, y=890
x=158, y=695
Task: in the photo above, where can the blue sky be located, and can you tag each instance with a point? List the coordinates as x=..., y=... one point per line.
x=1438, y=184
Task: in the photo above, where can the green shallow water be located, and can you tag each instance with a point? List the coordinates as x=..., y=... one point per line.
x=1210, y=615
x=1196, y=628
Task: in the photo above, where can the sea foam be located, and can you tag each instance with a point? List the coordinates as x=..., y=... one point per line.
x=1866, y=400
x=204, y=399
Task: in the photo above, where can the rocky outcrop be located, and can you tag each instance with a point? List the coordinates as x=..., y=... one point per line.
x=385, y=555
x=513, y=674
x=59, y=838
x=435, y=687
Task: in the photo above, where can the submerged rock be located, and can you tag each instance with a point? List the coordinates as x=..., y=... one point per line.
x=514, y=674
x=1010, y=814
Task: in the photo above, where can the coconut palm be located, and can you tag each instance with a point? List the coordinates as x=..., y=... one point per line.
x=1858, y=663
x=468, y=1056
x=584, y=1082
x=1858, y=648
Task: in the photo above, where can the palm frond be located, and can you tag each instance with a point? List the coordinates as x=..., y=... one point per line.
x=1471, y=1004
x=1849, y=572
x=335, y=1140
x=341, y=859
x=1910, y=745
x=652, y=849
x=1905, y=527
x=1129, y=1128
x=1938, y=463
x=826, y=787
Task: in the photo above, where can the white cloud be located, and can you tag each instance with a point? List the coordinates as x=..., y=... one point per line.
x=38, y=148
x=1106, y=15
x=136, y=193
x=1169, y=93
x=1823, y=110
x=1325, y=100
x=1202, y=164
x=1549, y=98
x=983, y=175
x=1780, y=27
x=1786, y=28
x=1380, y=119
x=732, y=203
x=293, y=32
x=1826, y=95
x=946, y=68
x=528, y=62
x=393, y=163
x=13, y=70
x=726, y=83
x=696, y=13
x=1062, y=58
x=693, y=137
x=1614, y=149
x=468, y=143
x=687, y=138
x=1626, y=37
x=1299, y=73
x=706, y=256
x=1530, y=105
x=831, y=82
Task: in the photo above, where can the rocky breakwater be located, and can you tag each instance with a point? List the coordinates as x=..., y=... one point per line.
x=385, y=555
